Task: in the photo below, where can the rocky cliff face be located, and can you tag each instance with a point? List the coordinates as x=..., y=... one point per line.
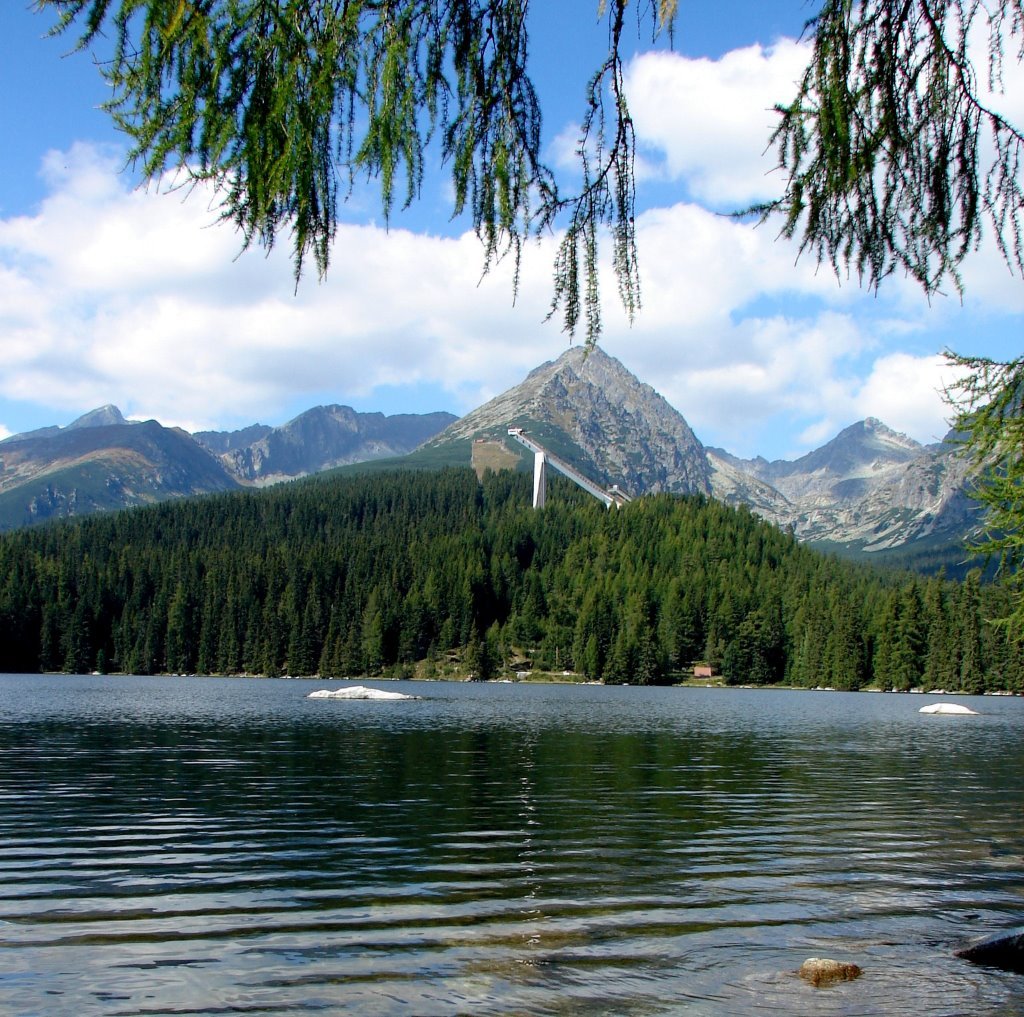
x=320, y=439
x=587, y=408
x=870, y=487
x=219, y=442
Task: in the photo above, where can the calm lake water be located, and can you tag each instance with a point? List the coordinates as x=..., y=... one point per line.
x=214, y=846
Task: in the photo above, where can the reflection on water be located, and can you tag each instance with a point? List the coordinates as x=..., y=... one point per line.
x=194, y=846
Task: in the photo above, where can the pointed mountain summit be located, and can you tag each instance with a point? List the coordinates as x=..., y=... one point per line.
x=590, y=410
x=869, y=445
x=870, y=488
x=847, y=466
x=105, y=416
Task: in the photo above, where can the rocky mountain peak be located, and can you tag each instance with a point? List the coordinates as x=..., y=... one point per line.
x=603, y=419
x=871, y=434
x=862, y=449
x=870, y=486
x=104, y=416
x=866, y=448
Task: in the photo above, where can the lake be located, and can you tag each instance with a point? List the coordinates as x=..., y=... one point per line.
x=214, y=846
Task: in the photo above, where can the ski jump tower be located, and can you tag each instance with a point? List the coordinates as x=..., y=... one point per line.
x=541, y=458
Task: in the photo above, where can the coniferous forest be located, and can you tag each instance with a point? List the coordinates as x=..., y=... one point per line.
x=395, y=573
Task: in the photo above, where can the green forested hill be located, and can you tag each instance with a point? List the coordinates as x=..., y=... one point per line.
x=361, y=575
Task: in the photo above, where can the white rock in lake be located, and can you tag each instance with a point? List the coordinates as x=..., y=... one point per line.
x=949, y=708
x=356, y=692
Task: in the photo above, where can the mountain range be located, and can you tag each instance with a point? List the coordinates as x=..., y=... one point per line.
x=869, y=489
x=319, y=439
x=101, y=462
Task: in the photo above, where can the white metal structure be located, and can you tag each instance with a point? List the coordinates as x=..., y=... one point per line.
x=541, y=458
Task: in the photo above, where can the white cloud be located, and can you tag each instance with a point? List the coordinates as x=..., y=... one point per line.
x=704, y=125
x=709, y=121
x=114, y=295
x=761, y=371
x=906, y=392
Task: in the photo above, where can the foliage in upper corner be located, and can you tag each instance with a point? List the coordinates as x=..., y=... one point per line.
x=988, y=398
x=281, y=104
x=884, y=148
x=894, y=160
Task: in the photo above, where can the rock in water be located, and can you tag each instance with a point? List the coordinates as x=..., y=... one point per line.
x=1004, y=950
x=356, y=692
x=824, y=971
x=949, y=708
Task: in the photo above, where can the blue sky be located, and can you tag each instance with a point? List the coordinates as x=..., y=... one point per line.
x=112, y=292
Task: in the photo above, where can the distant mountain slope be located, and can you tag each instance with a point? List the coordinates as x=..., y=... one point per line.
x=93, y=466
x=732, y=484
x=844, y=467
x=590, y=410
x=219, y=442
x=319, y=439
x=102, y=462
x=870, y=489
x=103, y=416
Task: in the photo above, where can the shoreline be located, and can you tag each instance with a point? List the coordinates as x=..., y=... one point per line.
x=542, y=678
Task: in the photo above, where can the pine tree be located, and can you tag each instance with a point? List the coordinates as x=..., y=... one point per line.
x=972, y=678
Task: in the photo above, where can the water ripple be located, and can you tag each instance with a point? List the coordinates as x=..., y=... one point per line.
x=562, y=858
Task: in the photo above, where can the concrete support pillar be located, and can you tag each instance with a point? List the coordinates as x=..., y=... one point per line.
x=540, y=479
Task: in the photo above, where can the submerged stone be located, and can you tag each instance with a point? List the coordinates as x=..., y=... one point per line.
x=825, y=971
x=1004, y=950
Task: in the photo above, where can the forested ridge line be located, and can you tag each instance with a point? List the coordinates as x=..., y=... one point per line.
x=390, y=573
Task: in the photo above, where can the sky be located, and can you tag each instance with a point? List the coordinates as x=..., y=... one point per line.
x=118, y=291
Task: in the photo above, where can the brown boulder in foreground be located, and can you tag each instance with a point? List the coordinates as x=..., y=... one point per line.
x=823, y=971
